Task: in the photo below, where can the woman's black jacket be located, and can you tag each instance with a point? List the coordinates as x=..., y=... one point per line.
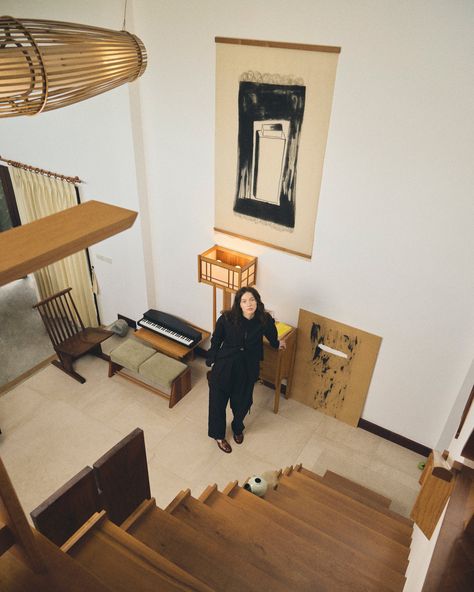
x=240, y=344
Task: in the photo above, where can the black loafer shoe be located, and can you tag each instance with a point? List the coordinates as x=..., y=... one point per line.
x=238, y=438
x=224, y=446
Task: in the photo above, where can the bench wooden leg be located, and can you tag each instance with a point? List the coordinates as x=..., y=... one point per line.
x=181, y=386
x=113, y=368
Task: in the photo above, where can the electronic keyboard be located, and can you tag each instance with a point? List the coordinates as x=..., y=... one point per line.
x=170, y=326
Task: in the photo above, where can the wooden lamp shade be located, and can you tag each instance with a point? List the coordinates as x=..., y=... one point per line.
x=46, y=65
x=229, y=270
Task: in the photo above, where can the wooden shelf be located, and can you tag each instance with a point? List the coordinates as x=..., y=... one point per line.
x=168, y=346
x=30, y=247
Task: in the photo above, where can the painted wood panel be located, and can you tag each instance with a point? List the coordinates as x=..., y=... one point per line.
x=333, y=367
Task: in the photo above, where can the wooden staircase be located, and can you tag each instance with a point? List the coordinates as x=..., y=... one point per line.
x=309, y=533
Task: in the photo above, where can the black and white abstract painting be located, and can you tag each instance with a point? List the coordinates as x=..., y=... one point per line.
x=270, y=121
x=273, y=102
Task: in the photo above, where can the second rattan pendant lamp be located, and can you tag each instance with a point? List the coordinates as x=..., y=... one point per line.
x=46, y=65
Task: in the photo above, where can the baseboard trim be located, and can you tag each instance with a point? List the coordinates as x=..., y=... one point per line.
x=9, y=385
x=272, y=386
x=394, y=437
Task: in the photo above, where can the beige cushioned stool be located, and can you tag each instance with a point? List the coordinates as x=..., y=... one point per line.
x=162, y=369
x=153, y=367
x=131, y=354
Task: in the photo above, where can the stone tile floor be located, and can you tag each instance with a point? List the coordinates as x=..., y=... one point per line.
x=52, y=427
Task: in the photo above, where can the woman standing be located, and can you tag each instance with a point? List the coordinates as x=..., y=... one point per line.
x=235, y=354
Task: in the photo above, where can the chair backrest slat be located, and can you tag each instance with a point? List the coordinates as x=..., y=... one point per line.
x=49, y=326
x=60, y=320
x=76, y=314
x=51, y=315
x=60, y=316
x=64, y=315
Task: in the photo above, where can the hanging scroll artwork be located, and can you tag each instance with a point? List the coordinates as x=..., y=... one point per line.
x=333, y=366
x=273, y=102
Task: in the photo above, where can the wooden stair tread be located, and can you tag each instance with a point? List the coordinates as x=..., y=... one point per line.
x=330, y=548
x=371, y=504
x=273, y=532
x=239, y=541
x=350, y=487
x=360, y=512
x=124, y=563
x=197, y=554
x=343, y=528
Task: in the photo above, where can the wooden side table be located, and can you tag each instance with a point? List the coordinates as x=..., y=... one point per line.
x=278, y=364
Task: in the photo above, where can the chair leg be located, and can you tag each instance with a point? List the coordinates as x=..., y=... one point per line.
x=97, y=351
x=65, y=364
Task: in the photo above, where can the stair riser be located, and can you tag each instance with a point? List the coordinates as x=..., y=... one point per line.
x=200, y=555
x=284, y=545
x=345, y=530
x=336, y=481
x=355, y=510
x=399, y=523
x=240, y=542
x=329, y=548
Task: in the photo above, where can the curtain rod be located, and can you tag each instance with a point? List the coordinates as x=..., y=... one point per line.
x=27, y=167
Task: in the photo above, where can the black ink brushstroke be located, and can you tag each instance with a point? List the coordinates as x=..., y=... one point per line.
x=261, y=102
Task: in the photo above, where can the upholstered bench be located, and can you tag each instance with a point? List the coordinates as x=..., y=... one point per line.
x=153, y=367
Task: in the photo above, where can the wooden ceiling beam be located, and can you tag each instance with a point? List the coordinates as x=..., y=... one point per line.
x=30, y=247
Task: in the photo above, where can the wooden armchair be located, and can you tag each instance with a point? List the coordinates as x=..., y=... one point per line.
x=69, y=337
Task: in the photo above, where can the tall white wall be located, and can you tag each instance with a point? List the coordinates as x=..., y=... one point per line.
x=393, y=237
x=393, y=242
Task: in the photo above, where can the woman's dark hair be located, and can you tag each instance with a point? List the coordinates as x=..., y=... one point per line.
x=235, y=314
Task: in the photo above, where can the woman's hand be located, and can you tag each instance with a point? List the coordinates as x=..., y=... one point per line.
x=282, y=344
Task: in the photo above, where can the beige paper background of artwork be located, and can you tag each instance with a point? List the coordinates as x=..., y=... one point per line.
x=318, y=71
x=334, y=385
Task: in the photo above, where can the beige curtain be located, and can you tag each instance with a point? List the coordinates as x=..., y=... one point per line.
x=38, y=196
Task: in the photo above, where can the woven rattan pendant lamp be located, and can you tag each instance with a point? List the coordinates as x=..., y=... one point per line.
x=46, y=65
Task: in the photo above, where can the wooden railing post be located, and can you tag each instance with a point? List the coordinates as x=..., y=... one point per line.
x=437, y=482
x=13, y=517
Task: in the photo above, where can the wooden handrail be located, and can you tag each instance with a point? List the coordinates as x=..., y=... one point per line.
x=437, y=482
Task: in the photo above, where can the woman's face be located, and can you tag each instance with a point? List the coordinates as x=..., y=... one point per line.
x=248, y=304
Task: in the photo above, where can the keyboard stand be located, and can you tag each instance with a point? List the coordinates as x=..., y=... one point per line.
x=168, y=346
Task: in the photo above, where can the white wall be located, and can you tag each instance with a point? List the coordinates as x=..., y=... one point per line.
x=393, y=240
x=393, y=235
x=446, y=439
